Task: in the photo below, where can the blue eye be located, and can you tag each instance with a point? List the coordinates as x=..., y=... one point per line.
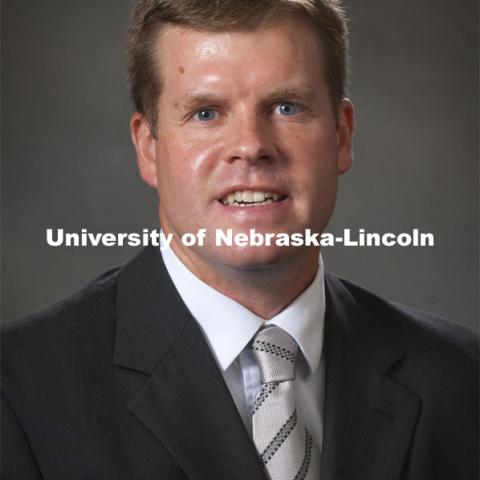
x=287, y=109
x=205, y=115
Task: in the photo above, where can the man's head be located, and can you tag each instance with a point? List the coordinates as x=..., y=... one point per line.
x=149, y=17
x=248, y=105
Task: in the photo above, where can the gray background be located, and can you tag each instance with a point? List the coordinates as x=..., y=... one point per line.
x=67, y=161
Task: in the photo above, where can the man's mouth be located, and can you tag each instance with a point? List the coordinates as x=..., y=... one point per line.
x=251, y=198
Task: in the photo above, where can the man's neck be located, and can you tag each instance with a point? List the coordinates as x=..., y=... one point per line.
x=265, y=291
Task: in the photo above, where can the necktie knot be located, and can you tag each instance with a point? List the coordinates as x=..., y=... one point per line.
x=276, y=352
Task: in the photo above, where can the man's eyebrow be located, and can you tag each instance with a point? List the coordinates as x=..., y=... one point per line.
x=293, y=93
x=196, y=100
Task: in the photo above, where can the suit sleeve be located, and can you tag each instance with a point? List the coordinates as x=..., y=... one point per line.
x=17, y=459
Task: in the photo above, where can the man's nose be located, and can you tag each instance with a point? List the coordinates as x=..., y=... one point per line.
x=251, y=139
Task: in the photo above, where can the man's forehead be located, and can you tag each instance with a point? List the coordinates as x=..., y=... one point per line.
x=280, y=61
x=179, y=41
x=192, y=42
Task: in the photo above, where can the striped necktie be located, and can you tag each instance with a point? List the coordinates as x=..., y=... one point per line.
x=284, y=444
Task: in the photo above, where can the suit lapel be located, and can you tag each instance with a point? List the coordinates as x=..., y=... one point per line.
x=369, y=418
x=180, y=394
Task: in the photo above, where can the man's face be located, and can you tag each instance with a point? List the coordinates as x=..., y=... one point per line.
x=246, y=139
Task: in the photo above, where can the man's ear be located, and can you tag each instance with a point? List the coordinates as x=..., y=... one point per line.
x=144, y=143
x=345, y=130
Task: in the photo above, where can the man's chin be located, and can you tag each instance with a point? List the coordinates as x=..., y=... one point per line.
x=253, y=258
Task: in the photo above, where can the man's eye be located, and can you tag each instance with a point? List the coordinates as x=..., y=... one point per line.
x=205, y=115
x=287, y=109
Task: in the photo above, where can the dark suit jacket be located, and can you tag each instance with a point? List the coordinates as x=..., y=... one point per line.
x=117, y=382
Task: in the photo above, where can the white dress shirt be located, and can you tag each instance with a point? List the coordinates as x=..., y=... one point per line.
x=228, y=328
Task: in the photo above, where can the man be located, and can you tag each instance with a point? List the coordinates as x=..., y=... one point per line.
x=238, y=362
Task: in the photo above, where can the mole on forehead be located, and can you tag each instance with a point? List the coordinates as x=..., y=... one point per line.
x=181, y=70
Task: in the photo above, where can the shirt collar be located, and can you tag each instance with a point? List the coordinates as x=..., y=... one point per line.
x=228, y=326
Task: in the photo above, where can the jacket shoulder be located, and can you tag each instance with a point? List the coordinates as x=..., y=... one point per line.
x=51, y=337
x=422, y=334
x=47, y=318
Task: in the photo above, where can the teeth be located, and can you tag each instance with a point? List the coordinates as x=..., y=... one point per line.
x=236, y=204
x=246, y=198
x=258, y=196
